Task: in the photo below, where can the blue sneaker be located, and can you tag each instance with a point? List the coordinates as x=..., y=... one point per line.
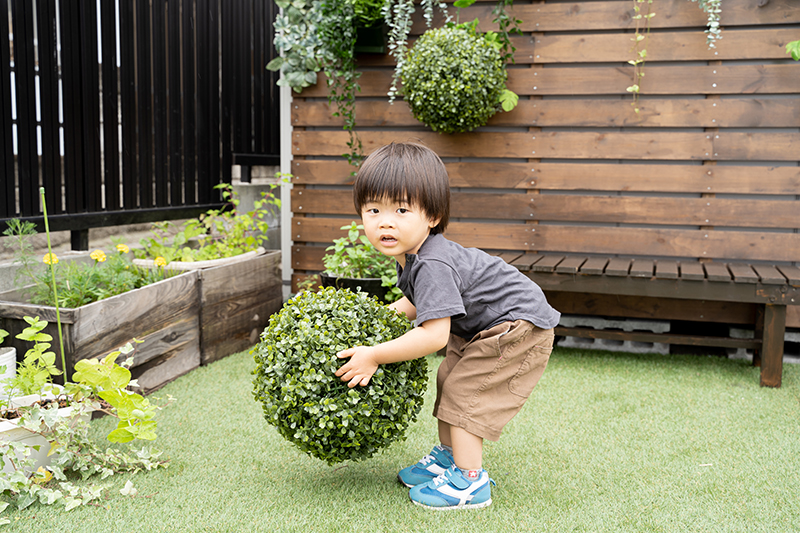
x=427, y=468
x=453, y=490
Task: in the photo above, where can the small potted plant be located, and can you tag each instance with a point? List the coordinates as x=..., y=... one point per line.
x=309, y=405
x=353, y=263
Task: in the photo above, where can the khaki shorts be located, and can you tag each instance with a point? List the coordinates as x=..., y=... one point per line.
x=484, y=382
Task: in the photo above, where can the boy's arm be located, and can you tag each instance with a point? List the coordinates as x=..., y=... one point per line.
x=404, y=305
x=418, y=342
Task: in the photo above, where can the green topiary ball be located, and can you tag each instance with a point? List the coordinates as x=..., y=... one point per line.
x=452, y=80
x=313, y=408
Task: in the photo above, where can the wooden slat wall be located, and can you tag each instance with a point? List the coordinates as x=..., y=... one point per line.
x=707, y=171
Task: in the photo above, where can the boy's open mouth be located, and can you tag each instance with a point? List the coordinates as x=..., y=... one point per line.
x=388, y=239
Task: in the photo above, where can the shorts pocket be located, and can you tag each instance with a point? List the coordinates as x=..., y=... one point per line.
x=530, y=371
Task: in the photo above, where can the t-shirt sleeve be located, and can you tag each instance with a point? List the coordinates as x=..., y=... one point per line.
x=437, y=292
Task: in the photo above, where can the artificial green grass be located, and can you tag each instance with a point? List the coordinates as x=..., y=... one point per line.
x=607, y=442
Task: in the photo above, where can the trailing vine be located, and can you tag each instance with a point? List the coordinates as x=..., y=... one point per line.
x=643, y=15
x=337, y=32
x=507, y=25
x=397, y=14
x=713, y=9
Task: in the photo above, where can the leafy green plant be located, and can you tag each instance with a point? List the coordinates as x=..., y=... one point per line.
x=72, y=453
x=216, y=234
x=454, y=79
x=793, y=49
x=311, y=407
x=35, y=372
x=368, y=12
x=355, y=257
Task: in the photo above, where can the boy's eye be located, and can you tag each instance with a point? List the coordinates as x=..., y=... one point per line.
x=402, y=210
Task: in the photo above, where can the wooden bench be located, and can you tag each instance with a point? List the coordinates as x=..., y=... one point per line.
x=770, y=288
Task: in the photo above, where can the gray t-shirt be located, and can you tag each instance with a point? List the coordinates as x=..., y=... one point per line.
x=476, y=290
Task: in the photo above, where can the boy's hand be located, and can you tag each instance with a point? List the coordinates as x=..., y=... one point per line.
x=361, y=366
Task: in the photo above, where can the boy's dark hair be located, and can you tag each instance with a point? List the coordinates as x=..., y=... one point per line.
x=405, y=172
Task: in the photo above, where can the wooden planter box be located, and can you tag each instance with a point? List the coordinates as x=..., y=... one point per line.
x=191, y=319
x=236, y=303
x=164, y=315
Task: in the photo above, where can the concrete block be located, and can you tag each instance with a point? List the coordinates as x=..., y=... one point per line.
x=650, y=326
x=791, y=346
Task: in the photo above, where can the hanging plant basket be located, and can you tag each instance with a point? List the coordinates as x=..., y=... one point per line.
x=453, y=80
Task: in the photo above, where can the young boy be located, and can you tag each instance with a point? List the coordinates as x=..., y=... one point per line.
x=495, y=322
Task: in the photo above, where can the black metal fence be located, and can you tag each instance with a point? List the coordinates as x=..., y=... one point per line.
x=134, y=111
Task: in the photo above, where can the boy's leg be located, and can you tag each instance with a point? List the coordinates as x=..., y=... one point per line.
x=467, y=449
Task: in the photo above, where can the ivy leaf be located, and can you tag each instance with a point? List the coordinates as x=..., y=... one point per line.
x=128, y=489
x=793, y=48
x=508, y=100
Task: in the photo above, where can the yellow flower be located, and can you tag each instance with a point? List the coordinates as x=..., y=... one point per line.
x=160, y=261
x=98, y=255
x=50, y=259
x=123, y=248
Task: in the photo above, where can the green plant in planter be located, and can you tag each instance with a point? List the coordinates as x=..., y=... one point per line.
x=72, y=284
x=454, y=79
x=311, y=407
x=216, y=234
x=355, y=257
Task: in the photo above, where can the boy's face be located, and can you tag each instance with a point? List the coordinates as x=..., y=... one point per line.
x=396, y=228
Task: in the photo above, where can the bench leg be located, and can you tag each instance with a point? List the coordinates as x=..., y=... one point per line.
x=771, y=353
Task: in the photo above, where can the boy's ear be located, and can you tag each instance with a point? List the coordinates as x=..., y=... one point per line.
x=433, y=222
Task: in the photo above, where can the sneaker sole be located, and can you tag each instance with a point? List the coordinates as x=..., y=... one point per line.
x=487, y=503
x=404, y=483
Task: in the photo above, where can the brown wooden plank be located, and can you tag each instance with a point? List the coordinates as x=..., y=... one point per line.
x=677, y=243
x=792, y=273
x=331, y=143
x=548, y=263
x=666, y=269
x=742, y=273
x=570, y=264
x=494, y=236
x=509, y=257
x=660, y=80
x=594, y=266
x=307, y=257
x=485, y=205
x=767, y=43
x=642, y=268
x=666, y=178
x=568, y=145
x=736, y=79
x=692, y=271
x=613, y=15
x=669, y=210
x=772, y=348
x=769, y=274
x=578, y=175
x=672, y=113
x=618, y=266
x=717, y=272
x=615, y=305
x=526, y=261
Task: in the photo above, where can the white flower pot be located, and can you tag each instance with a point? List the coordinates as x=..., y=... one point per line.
x=8, y=359
x=10, y=431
